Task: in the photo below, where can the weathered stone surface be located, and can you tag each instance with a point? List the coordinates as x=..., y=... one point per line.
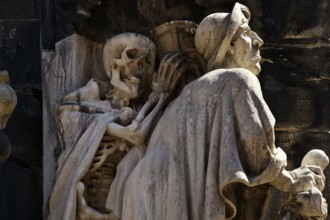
x=304, y=22
x=301, y=19
x=76, y=61
x=297, y=144
x=214, y=3
x=129, y=61
x=273, y=20
x=217, y=133
x=26, y=124
x=21, y=174
x=19, y=9
x=21, y=179
x=295, y=81
x=111, y=17
x=296, y=64
x=295, y=19
x=20, y=190
x=293, y=107
x=20, y=51
x=297, y=108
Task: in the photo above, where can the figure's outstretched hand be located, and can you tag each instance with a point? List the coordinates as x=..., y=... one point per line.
x=170, y=71
x=307, y=177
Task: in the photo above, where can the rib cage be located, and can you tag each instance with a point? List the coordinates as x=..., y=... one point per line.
x=102, y=172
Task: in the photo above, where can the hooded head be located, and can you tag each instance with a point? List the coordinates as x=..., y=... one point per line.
x=215, y=33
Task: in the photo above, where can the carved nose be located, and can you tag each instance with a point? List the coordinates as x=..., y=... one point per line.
x=257, y=41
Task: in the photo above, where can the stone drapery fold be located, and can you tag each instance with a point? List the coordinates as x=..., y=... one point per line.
x=217, y=133
x=84, y=119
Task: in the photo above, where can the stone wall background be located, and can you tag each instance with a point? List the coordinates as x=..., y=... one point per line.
x=20, y=55
x=295, y=72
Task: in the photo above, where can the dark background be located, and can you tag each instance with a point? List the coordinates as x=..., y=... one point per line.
x=295, y=73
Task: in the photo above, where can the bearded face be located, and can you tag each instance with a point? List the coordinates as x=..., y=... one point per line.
x=244, y=51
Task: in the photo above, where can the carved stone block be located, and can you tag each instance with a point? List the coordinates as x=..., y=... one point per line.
x=74, y=62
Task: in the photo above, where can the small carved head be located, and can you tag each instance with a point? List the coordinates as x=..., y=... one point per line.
x=8, y=99
x=226, y=40
x=129, y=61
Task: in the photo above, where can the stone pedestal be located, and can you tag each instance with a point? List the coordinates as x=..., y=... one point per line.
x=74, y=62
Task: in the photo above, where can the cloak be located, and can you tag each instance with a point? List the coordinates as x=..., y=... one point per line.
x=83, y=119
x=216, y=136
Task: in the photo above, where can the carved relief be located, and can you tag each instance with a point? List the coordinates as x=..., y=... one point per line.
x=112, y=124
x=140, y=152
x=84, y=7
x=163, y=10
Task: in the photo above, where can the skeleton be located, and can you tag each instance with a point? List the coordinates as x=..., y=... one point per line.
x=128, y=60
x=129, y=64
x=96, y=133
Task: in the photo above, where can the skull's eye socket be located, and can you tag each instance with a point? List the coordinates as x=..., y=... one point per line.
x=149, y=59
x=132, y=53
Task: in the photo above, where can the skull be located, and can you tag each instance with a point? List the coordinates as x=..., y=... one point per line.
x=129, y=61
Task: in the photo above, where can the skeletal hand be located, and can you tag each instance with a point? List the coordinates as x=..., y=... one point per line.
x=126, y=115
x=140, y=127
x=307, y=177
x=153, y=97
x=171, y=69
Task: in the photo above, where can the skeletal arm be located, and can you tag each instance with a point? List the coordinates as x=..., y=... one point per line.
x=136, y=132
x=166, y=78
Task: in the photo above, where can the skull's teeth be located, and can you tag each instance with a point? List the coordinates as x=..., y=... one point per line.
x=132, y=80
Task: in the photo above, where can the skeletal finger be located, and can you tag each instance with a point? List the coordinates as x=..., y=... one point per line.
x=175, y=56
x=319, y=182
x=162, y=68
x=182, y=66
x=167, y=56
x=177, y=70
x=316, y=169
x=319, y=173
x=164, y=61
x=177, y=77
x=172, y=59
x=162, y=71
x=180, y=61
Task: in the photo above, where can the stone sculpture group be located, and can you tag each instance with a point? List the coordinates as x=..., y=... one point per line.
x=189, y=137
